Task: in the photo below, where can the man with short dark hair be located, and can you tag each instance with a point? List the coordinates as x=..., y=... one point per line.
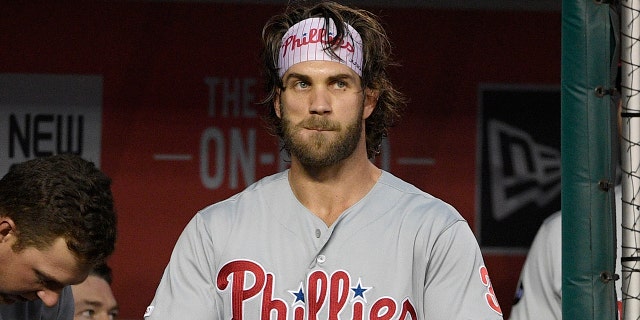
x=93, y=297
x=57, y=221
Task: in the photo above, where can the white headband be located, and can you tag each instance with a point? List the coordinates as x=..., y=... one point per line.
x=306, y=41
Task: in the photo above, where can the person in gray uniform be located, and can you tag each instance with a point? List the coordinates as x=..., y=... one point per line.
x=333, y=236
x=57, y=220
x=539, y=290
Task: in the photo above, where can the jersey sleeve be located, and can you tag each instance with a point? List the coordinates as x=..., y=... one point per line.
x=539, y=294
x=457, y=281
x=187, y=288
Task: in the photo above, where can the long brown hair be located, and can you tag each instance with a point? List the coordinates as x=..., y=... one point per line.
x=377, y=57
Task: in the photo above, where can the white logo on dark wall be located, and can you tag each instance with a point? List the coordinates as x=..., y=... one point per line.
x=41, y=135
x=519, y=163
x=521, y=170
x=42, y=115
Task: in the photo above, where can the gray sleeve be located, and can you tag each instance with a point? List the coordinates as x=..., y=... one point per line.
x=457, y=281
x=187, y=288
x=539, y=294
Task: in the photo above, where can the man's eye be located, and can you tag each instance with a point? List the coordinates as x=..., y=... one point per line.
x=302, y=85
x=341, y=84
x=87, y=314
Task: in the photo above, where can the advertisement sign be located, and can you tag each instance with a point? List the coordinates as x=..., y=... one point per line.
x=519, y=163
x=42, y=115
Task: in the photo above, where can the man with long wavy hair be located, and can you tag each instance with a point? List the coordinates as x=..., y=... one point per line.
x=334, y=236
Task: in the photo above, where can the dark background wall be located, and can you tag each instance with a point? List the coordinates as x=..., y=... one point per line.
x=179, y=125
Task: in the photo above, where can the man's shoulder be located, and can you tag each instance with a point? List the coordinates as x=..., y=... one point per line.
x=405, y=195
x=269, y=184
x=553, y=221
x=269, y=187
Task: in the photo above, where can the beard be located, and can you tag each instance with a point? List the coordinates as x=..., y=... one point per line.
x=319, y=151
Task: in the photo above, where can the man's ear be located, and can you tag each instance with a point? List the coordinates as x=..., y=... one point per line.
x=7, y=228
x=276, y=104
x=370, y=101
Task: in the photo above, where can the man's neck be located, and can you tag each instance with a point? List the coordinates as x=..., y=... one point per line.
x=329, y=191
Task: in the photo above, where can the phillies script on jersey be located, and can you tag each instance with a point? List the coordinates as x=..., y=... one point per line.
x=247, y=280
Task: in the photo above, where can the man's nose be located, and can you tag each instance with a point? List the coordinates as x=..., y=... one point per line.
x=320, y=101
x=49, y=297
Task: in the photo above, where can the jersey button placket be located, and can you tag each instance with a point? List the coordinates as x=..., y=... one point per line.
x=321, y=238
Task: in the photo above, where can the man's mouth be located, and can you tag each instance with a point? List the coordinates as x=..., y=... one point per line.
x=317, y=129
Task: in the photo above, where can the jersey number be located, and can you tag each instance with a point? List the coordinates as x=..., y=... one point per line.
x=490, y=295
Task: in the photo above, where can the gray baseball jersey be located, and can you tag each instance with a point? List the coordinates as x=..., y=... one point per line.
x=36, y=310
x=539, y=291
x=398, y=253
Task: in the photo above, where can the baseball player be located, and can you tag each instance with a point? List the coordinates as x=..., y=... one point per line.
x=539, y=291
x=56, y=222
x=539, y=294
x=333, y=237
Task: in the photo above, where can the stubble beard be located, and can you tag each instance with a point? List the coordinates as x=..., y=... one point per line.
x=319, y=151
